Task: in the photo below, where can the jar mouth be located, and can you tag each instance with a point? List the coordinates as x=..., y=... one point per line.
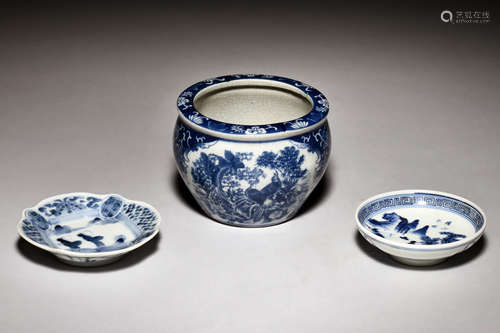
x=252, y=106
x=252, y=102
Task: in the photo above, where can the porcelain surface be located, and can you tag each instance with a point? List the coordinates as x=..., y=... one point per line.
x=89, y=229
x=243, y=176
x=318, y=113
x=420, y=227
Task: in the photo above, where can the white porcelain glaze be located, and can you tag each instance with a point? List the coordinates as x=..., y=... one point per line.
x=86, y=229
x=254, y=171
x=420, y=227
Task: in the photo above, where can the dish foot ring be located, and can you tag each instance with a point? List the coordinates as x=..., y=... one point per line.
x=418, y=262
x=87, y=262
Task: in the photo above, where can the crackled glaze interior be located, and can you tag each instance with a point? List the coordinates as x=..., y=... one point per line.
x=252, y=102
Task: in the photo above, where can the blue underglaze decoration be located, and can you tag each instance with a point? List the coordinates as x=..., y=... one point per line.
x=93, y=239
x=318, y=142
x=188, y=140
x=96, y=220
x=33, y=232
x=71, y=245
x=376, y=232
x=59, y=206
x=450, y=237
x=142, y=216
x=81, y=219
x=120, y=239
x=218, y=180
x=186, y=107
x=251, y=182
x=37, y=220
x=423, y=200
x=231, y=185
x=403, y=227
x=111, y=207
x=393, y=224
x=92, y=202
x=58, y=229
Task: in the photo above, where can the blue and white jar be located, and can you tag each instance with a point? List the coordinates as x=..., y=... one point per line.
x=251, y=148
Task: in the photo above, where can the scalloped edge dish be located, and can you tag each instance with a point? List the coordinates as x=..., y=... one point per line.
x=52, y=223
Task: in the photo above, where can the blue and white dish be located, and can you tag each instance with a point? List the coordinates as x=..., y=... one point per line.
x=256, y=172
x=420, y=227
x=87, y=229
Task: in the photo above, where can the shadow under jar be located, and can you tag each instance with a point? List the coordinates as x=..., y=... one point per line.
x=251, y=148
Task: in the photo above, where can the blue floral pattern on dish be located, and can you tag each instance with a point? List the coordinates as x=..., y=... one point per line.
x=89, y=223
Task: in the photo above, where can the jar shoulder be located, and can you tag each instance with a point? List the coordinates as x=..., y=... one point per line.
x=188, y=139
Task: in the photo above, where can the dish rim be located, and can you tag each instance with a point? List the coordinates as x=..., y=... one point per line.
x=88, y=254
x=420, y=247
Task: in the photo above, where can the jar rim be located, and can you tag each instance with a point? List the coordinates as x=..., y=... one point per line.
x=309, y=121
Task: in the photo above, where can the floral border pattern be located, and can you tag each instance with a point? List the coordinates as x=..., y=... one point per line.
x=186, y=107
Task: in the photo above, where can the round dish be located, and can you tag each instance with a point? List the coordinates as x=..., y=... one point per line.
x=86, y=229
x=251, y=147
x=420, y=227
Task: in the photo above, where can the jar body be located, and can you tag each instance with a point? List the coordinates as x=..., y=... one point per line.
x=251, y=183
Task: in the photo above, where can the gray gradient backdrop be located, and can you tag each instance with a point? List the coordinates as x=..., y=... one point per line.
x=87, y=103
